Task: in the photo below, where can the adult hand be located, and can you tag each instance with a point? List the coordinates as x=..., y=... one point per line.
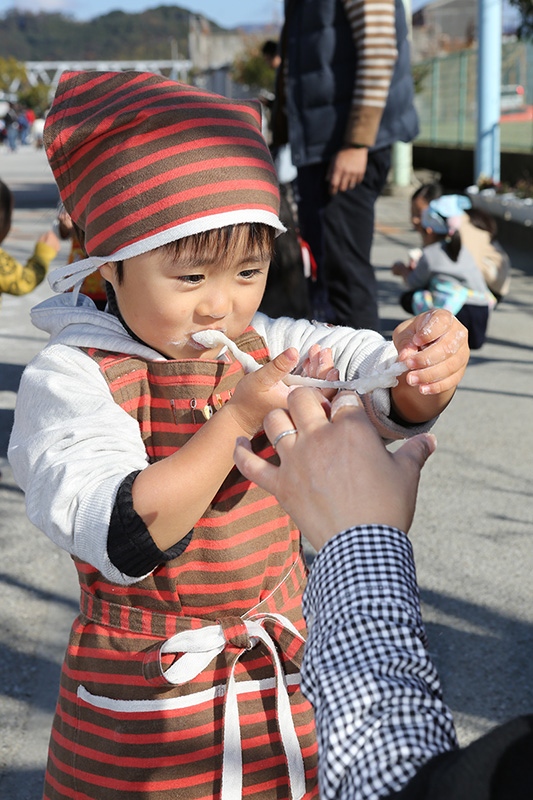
x=347, y=168
x=335, y=472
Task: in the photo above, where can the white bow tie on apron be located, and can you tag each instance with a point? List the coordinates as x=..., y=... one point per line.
x=199, y=647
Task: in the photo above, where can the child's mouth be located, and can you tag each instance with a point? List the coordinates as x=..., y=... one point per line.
x=203, y=345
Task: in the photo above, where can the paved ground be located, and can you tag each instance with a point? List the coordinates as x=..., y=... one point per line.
x=472, y=533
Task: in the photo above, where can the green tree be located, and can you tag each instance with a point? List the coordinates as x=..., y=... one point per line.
x=11, y=71
x=36, y=97
x=13, y=80
x=525, y=8
x=252, y=70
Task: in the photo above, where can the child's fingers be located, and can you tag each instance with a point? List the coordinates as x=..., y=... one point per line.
x=440, y=366
x=421, y=331
x=278, y=368
x=332, y=375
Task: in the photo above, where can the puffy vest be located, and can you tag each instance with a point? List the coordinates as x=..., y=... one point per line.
x=321, y=62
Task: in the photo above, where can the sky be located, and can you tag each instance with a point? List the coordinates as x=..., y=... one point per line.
x=229, y=14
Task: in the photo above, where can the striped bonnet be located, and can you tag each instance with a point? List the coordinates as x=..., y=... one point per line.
x=141, y=161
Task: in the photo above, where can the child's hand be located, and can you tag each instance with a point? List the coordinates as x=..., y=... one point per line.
x=65, y=226
x=261, y=391
x=400, y=269
x=49, y=238
x=434, y=346
x=319, y=364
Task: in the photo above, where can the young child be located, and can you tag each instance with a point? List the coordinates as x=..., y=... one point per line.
x=17, y=278
x=94, y=285
x=478, y=232
x=445, y=275
x=181, y=677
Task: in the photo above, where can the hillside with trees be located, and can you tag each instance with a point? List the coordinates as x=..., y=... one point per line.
x=43, y=36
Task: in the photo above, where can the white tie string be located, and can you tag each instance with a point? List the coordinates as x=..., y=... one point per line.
x=61, y=279
x=198, y=648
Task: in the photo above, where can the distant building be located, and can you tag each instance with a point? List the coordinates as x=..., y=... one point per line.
x=210, y=48
x=444, y=26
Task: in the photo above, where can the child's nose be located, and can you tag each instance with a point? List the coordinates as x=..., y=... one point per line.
x=216, y=306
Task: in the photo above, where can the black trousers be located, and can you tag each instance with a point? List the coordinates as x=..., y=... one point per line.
x=340, y=231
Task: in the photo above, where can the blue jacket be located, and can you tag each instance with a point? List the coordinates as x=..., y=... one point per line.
x=319, y=74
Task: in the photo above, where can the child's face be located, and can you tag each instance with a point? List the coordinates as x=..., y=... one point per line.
x=418, y=205
x=164, y=298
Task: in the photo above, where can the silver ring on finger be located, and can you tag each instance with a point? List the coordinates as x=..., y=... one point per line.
x=281, y=435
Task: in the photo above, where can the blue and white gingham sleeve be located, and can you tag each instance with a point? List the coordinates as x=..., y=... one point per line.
x=366, y=670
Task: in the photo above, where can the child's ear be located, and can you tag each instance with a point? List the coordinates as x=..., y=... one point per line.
x=108, y=272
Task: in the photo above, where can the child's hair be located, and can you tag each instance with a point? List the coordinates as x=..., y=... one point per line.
x=254, y=238
x=452, y=245
x=428, y=192
x=270, y=49
x=6, y=210
x=485, y=222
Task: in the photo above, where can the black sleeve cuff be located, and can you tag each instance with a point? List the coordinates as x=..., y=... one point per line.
x=130, y=547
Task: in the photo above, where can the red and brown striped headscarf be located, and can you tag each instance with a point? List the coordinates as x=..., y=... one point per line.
x=141, y=161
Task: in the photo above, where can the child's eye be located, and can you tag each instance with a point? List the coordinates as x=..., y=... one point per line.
x=191, y=278
x=249, y=273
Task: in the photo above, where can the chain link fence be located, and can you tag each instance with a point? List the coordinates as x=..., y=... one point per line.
x=446, y=98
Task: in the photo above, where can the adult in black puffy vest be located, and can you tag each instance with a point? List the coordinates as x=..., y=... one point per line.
x=345, y=95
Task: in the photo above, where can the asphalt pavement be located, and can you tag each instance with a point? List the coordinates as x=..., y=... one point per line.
x=472, y=530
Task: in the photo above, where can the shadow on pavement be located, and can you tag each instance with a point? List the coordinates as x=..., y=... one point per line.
x=7, y=417
x=10, y=375
x=39, y=594
x=31, y=779
x=497, y=683
x=35, y=195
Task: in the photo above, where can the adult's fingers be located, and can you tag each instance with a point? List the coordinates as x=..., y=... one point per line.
x=277, y=421
x=345, y=402
x=414, y=453
x=308, y=408
x=417, y=450
x=254, y=467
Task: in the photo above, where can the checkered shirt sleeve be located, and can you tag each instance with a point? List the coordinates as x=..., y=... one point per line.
x=376, y=694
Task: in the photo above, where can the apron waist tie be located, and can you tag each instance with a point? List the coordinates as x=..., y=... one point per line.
x=197, y=649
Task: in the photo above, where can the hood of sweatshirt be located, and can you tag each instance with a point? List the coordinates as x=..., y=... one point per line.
x=83, y=325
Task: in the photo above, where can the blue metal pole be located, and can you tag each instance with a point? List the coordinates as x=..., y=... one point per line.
x=489, y=68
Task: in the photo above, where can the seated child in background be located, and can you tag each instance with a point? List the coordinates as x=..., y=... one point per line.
x=478, y=234
x=181, y=676
x=446, y=275
x=94, y=285
x=16, y=278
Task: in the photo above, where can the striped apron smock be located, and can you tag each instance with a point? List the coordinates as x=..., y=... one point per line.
x=185, y=685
